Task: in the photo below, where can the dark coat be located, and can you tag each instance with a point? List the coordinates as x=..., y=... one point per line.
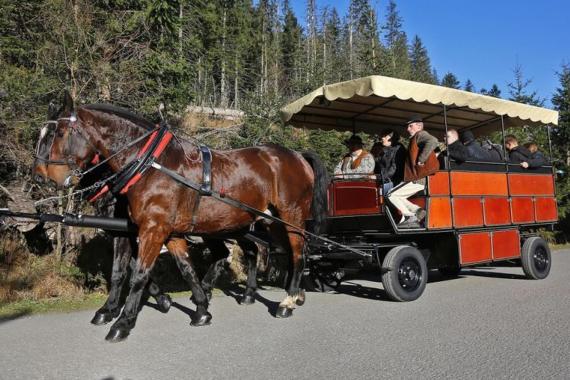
x=390, y=164
x=537, y=160
x=519, y=154
x=475, y=152
x=458, y=152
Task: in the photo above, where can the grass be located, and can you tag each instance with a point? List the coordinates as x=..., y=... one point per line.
x=18, y=309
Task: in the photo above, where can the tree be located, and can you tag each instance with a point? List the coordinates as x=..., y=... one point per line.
x=561, y=145
x=518, y=89
x=494, y=91
x=421, y=70
x=397, y=61
x=450, y=80
x=469, y=86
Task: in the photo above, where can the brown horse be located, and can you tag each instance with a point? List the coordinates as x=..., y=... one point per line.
x=268, y=178
x=124, y=244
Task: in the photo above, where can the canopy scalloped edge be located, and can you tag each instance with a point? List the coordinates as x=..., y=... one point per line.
x=386, y=87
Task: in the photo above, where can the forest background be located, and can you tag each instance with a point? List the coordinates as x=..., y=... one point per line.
x=230, y=54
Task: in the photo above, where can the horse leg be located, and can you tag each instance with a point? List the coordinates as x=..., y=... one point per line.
x=122, y=252
x=179, y=248
x=295, y=295
x=220, y=255
x=250, y=252
x=151, y=240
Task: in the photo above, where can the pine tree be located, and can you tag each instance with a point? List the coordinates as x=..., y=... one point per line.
x=421, y=70
x=561, y=147
x=494, y=91
x=469, y=86
x=518, y=89
x=450, y=80
x=290, y=49
x=397, y=61
x=364, y=43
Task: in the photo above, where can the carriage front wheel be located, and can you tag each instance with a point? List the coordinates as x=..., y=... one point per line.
x=535, y=258
x=404, y=273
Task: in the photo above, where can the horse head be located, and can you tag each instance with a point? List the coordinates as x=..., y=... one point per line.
x=62, y=146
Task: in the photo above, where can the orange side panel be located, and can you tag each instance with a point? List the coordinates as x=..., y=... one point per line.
x=467, y=212
x=545, y=209
x=497, y=211
x=477, y=183
x=531, y=184
x=522, y=209
x=439, y=213
x=475, y=247
x=506, y=244
x=438, y=184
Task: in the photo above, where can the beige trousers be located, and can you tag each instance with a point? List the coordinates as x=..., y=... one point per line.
x=399, y=198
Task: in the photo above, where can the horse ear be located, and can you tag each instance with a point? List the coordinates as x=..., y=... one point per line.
x=52, y=110
x=67, y=102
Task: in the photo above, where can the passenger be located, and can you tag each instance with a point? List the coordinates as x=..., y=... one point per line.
x=474, y=149
x=517, y=154
x=389, y=155
x=420, y=162
x=455, y=148
x=536, y=159
x=357, y=163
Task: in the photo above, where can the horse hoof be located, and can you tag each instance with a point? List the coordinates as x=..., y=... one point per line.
x=283, y=312
x=164, y=302
x=202, y=320
x=117, y=335
x=300, y=301
x=101, y=318
x=247, y=300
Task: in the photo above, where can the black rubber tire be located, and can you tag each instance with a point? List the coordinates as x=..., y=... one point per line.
x=535, y=258
x=404, y=273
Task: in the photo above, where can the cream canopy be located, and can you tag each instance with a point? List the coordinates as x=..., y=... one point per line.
x=371, y=103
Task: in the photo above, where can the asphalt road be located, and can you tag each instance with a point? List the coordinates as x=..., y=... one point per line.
x=489, y=323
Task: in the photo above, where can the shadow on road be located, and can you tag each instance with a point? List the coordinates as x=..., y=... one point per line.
x=15, y=315
x=479, y=273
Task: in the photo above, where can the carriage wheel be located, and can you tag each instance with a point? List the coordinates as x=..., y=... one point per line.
x=404, y=273
x=535, y=258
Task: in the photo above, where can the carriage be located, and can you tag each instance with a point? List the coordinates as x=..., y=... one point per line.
x=477, y=212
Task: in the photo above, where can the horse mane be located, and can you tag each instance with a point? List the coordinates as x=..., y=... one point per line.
x=122, y=113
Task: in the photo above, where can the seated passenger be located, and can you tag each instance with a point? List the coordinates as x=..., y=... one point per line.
x=389, y=155
x=474, y=149
x=536, y=159
x=357, y=163
x=455, y=148
x=420, y=162
x=517, y=154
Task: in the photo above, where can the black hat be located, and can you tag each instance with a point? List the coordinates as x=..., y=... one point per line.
x=466, y=137
x=354, y=139
x=414, y=119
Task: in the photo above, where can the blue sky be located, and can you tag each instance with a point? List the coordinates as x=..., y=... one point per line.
x=483, y=40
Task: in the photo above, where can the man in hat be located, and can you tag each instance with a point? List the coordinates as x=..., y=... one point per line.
x=420, y=162
x=357, y=163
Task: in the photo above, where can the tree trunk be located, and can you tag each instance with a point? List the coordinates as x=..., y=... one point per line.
x=223, y=94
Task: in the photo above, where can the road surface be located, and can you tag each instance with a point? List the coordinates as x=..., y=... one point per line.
x=489, y=323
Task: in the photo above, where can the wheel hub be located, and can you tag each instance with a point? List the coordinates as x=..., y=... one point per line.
x=540, y=259
x=409, y=275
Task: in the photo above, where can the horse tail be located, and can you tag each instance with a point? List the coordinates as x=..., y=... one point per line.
x=319, y=204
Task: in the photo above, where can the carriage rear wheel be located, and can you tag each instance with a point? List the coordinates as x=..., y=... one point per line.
x=535, y=258
x=404, y=273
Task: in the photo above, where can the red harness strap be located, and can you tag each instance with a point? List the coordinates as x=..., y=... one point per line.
x=157, y=152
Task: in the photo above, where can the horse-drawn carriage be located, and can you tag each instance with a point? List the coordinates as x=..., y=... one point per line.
x=476, y=212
